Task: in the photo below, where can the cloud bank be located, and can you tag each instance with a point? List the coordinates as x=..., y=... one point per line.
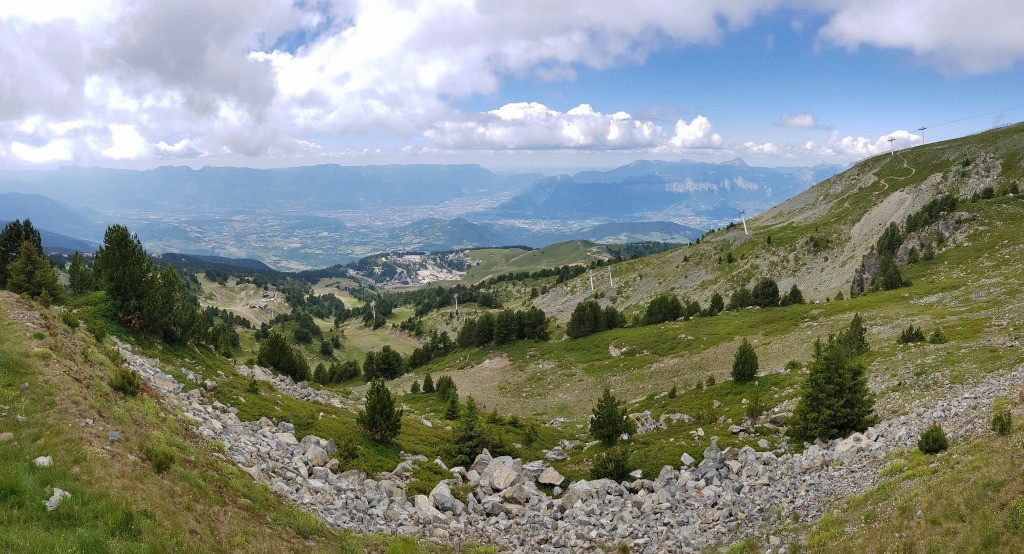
x=87, y=82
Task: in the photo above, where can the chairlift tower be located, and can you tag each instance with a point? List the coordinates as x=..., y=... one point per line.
x=373, y=309
x=611, y=283
x=456, y=297
x=742, y=217
x=922, y=133
x=892, y=146
x=591, y=275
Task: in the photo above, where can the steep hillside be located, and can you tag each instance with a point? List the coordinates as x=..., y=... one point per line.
x=46, y=213
x=816, y=239
x=103, y=447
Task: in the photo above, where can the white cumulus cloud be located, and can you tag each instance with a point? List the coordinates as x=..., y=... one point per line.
x=534, y=126
x=798, y=121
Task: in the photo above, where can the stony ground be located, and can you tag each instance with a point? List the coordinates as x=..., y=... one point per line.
x=728, y=496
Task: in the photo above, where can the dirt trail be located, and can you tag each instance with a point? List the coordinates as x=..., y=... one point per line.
x=904, y=178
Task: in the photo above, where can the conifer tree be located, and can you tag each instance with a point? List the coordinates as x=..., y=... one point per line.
x=122, y=268
x=468, y=437
x=428, y=384
x=854, y=339
x=276, y=353
x=79, y=275
x=744, y=365
x=32, y=274
x=11, y=238
x=610, y=420
x=380, y=419
x=766, y=293
x=451, y=411
x=834, y=399
x=716, y=305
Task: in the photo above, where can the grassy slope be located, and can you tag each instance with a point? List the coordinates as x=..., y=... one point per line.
x=848, y=211
x=119, y=503
x=496, y=261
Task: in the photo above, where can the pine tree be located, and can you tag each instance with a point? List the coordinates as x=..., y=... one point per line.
x=380, y=419
x=11, y=239
x=276, y=353
x=536, y=324
x=468, y=437
x=854, y=339
x=484, y=330
x=32, y=274
x=610, y=420
x=766, y=293
x=446, y=389
x=889, y=277
x=744, y=365
x=451, y=411
x=122, y=268
x=80, y=275
x=415, y=387
x=716, y=305
x=834, y=399
x=506, y=327
x=428, y=384
x=664, y=307
x=587, y=318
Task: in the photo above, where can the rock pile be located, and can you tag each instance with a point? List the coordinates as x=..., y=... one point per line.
x=730, y=494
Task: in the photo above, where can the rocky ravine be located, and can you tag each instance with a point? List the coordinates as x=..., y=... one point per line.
x=728, y=496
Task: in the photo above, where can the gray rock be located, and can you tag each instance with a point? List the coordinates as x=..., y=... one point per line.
x=43, y=461
x=556, y=454
x=56, y=498
x=552, y=477
x=8, y=436
x=441, y=498
x=687, y=459
x=113, y=436
x=317, y=456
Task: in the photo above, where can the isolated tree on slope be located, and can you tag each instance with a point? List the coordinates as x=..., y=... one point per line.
x=122, y=268
x=610, y=420
x=744, y=365
x=380, y=419
x=468, y=437
x=854, y=338
x=834, y=399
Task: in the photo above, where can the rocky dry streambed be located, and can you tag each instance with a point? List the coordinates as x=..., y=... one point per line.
x=730, y=495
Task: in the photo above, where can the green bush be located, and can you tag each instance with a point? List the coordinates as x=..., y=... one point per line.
x=937, y=337
x=1002, y=420
x=253, y=387
x=672, y=393
x=414, y=388
x=911, y=335
x=159, y=454
x=933, y=440
x=126, y=381
x=755, y=407
x=530, y=435
x=611, y=464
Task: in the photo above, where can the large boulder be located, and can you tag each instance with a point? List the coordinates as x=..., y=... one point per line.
x=441, y=498
x=317, y=456
x=501, y=473
x=551, y=477
x=481, y=462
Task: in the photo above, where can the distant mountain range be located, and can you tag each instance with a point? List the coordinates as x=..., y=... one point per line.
x=676, y=191
x=303, y=217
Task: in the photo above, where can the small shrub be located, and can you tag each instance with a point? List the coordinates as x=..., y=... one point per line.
x=253, y=387
x=159, y=455
x=755, y=407
x=126, y=381
x=69, y=319
x=611, y=464
x=937, y=337
x=911, y=335
x=933, y=440
x=348, y=451
x=530, y=435
x=711, y=381
x=705, y=416
x=38, y=336
x=793, y=365
x=415, y=387
x=672, y=393
x=1002, y=420
x=96, y=328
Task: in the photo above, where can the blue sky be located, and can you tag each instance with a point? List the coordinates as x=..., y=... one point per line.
x=513, y=86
